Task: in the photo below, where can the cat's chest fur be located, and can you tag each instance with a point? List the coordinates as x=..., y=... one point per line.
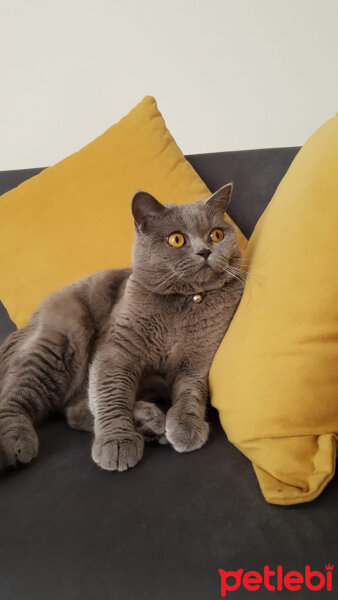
x=166, y=331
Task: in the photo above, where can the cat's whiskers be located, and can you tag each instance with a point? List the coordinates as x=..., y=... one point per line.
x=179, y=277
x=165, y=281
x=243, y=275
x=237, y=276
x=234, y=267
x=239, y=273
x=246, y=262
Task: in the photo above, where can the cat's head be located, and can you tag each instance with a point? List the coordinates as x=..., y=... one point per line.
x=184, y=248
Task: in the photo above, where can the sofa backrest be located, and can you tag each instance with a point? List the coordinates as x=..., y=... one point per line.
x=255, y=173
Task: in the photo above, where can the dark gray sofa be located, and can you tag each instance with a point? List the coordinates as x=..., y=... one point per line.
x=70, y=531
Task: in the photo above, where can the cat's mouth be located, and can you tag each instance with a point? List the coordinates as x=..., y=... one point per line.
x=205, y=265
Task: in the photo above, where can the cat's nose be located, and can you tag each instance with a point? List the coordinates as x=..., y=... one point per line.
x=205, y=253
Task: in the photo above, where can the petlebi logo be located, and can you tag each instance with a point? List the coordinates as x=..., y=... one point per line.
x=276, y=580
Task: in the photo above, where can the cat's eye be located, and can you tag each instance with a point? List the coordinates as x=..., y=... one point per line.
x=216, y=235
x=176, y=240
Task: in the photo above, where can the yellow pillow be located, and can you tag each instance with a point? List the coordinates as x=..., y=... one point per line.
x=274, y=379
x=74, y=218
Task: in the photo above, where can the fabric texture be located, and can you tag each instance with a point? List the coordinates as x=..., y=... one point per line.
x=74, y=218
x=275, y=376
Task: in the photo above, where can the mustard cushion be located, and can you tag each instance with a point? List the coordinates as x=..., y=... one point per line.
x=274, y=379
x=74, y=218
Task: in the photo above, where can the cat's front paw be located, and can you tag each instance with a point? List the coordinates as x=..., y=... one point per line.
x=118, y=452
x=185, y=432
x=149, y=421
x=18, y=441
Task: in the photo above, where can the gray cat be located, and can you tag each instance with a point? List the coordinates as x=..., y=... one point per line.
x=137, y=344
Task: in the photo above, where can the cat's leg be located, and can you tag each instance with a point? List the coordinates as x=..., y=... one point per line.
x=18, y=440
x=149, y=421
x=153, y=395
x=29, y=388
x=77, y=411
x=113, y=381
x=7, y=351
x=186, y=428
x=43, y=371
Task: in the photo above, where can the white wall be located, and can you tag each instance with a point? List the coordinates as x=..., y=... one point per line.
x=227, y=74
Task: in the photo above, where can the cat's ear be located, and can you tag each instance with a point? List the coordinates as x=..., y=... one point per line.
x=144, y=206
x=218, y=202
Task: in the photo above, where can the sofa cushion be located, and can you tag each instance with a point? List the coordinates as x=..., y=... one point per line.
x=74, y=218
x=275, y=376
